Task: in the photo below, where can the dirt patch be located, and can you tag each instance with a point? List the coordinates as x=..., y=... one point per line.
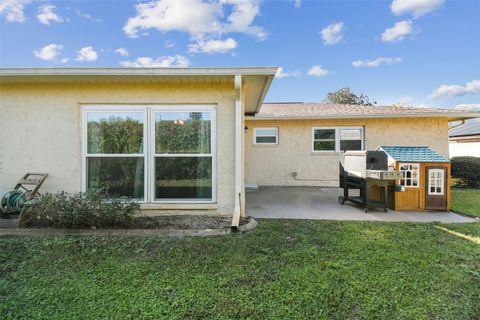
x=181, y=222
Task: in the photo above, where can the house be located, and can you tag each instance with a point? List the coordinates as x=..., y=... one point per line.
x=185, y=140
x=465, y=139
x=426, y=180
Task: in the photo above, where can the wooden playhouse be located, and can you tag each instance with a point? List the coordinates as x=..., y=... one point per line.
x=426, y=179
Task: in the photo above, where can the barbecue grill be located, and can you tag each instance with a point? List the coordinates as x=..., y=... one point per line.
x=366, y=171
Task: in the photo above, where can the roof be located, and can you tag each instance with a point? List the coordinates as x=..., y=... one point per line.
x=256, y=80
x=300, y=110
x=470, y=128
x=413, y=154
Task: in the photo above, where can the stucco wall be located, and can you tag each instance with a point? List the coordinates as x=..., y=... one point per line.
x=273, y=165
x=40, y=129
x=464, y=149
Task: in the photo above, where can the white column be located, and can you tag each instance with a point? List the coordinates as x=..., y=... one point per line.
x=238, y=151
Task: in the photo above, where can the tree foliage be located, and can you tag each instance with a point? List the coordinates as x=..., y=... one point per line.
x=467, y=171
x=346, y=96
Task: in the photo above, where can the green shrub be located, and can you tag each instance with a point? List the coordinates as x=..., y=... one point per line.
x=80, y=210
x=467, y=171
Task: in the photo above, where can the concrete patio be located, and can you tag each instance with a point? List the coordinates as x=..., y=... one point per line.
x=321, y=204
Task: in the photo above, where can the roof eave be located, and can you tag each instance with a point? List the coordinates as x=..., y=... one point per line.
x=450, y=117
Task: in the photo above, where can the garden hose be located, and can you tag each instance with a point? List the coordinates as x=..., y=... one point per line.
x=14, y=200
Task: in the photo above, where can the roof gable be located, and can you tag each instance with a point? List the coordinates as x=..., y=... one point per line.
x=413, y=154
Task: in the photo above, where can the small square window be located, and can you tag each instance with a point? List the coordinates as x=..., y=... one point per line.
x=265, y=136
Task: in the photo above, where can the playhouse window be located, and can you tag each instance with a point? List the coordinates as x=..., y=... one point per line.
x=411, y=174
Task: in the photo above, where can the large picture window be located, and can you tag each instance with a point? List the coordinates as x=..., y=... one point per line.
x=150, y=153
x=337, y=139
x=183, y=155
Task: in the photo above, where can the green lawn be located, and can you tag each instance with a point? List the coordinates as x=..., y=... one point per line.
x=466, y=201
x=281, y=270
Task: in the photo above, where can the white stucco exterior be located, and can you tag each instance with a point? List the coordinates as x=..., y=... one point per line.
x=274, y=164
x=41, y=131
x=464, y=149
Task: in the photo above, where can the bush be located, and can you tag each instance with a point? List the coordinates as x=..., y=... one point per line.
x=80, y=210
x=467, y=171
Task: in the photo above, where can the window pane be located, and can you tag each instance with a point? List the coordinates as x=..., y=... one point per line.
x=115, y=132
x=183, y=178
x=116, y=176
x=182, y=132
x=324, y=145
x=350, y=134
x=266, y=132
x=350, y=145
x=324, y=134
x=266, y=140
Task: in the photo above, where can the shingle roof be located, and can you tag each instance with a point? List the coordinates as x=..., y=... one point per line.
x=471, y=128
x=413, y=154
x=329, y=110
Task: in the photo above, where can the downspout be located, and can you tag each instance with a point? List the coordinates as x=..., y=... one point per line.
x=238, y=152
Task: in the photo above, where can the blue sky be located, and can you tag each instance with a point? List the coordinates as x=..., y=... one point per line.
x=414, y=52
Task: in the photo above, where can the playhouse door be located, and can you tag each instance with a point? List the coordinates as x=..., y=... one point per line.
x=436, y=188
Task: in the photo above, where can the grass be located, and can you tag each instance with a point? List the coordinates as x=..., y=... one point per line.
x=281, y=270
x=466, y=201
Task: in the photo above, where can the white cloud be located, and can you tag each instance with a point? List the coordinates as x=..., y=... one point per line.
x=46, y=14
x=297, y=3
x=81, y=14
x=416, y=8
x=398, y=32
x=49, y=52
x=455, y=90
x=87, y=54
x=468, y=107
x=13, y=10
x=212, y=46
x=332, y=34
x=64, y=60
x=196, y=17
x=122, y=51
x=176, y=61
x=317, y=71
x=376, y=62
x=169, y=44
x=282, y=74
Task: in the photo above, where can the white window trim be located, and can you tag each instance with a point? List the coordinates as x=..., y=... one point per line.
x=400, y=164
x=213, y=149
x=149, y=143
x=442, y=186
x=337, y=138
x=263, y=135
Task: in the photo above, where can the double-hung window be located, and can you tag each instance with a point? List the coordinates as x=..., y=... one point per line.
x=150, y=153
x=268, y=136
x=114, y=152
x=411, y=174
x=337, y=139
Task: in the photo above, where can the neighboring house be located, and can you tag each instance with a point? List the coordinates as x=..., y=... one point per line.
x=185, y=140
x=465, y=139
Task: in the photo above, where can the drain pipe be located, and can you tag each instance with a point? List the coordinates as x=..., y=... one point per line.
x=237, y=213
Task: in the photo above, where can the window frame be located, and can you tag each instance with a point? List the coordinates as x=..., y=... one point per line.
x=442, y=185
x=417, y=164
x=212, y=154
x=149, y=144
x=265, y=143
x=337, y=138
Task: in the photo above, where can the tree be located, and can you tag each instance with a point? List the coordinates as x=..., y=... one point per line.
x=346, y=96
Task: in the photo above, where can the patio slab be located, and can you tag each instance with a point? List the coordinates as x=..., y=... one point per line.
x=321, y=204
